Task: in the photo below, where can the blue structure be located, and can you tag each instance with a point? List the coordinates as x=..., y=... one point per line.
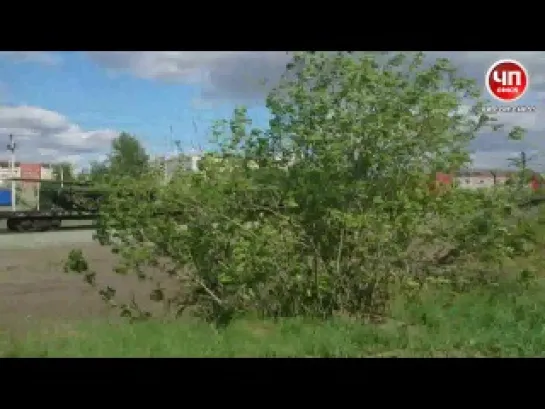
x=5, y=197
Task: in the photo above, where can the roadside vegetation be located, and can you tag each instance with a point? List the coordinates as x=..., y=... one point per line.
x=324, y=234
x=506, y=321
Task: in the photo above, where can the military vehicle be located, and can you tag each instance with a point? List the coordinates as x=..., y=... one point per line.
x=41, y=205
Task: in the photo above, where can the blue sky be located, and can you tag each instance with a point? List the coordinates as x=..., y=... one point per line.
x=68, y=106
x=96, y=98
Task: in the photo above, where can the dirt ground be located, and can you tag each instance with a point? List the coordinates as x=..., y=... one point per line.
x=35, y=290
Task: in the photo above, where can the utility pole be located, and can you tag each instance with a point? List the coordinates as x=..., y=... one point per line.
x=11, y=147
x=523, y=161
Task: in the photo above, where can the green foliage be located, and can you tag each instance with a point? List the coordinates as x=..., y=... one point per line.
x=63, y=171
x=523, y=176
x=98, y=171
x=76, y=263
x=502, y=321
x=126, y=158
x=327, y=210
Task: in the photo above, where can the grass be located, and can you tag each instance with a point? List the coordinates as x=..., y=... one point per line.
x=505, y=321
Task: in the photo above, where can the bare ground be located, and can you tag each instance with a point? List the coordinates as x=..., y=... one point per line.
x=35, y=290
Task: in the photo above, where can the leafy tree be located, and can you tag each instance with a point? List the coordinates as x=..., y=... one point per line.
x=327, y=209
x=63, y=171
x=98, y=171
x=128, y=156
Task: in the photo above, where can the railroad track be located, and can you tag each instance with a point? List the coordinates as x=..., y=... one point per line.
x=6, y=232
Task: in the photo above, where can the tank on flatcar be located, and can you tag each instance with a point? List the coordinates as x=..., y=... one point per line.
x=69, y=197
x=47, y=196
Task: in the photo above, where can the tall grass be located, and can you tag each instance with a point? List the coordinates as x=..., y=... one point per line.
x=507, y=321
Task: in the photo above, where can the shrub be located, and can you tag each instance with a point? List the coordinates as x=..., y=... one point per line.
x=327, y=210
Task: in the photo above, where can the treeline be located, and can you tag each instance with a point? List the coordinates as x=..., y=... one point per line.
x=127, y=157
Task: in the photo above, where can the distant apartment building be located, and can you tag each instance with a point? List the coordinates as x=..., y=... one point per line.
x=169, y=164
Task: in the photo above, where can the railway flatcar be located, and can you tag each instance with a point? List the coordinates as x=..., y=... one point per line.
x=41, y=205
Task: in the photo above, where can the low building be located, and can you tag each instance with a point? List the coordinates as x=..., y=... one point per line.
x=480, y=178
x=41, y=171
x=477, y=179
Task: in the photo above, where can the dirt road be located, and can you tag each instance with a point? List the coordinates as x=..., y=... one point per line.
x=34, y=289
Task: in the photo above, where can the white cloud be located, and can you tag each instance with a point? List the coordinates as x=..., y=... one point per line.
x=222, y=74
x=531, y=121
x=39, y=57
x=187, y=66
x=47, y=136
x=236, y=76
x=238, y=73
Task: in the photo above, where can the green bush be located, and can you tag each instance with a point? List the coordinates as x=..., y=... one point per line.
x=328, y=210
